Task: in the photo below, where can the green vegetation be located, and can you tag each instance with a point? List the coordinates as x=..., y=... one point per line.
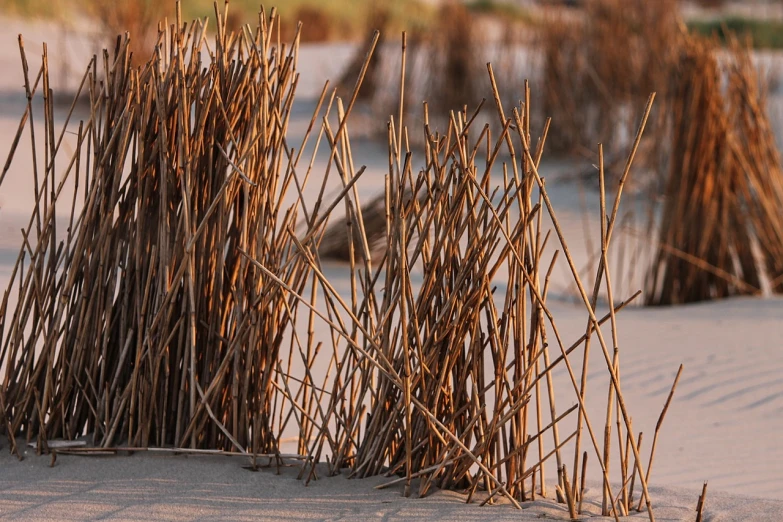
x=764, y=34
x=504, y=9
x=34, y=8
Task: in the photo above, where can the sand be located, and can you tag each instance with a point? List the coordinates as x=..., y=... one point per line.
x=155, y=487
x=723, y=427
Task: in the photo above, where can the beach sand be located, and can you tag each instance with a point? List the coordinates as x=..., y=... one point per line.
x=172, y=488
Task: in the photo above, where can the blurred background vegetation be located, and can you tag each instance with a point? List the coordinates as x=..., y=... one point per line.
x=342, y=20
x=763, y=33
x=326, y=21
x=592, y=65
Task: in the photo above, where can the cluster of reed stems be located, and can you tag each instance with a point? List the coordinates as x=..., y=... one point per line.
x=446, y=60
x=139, y=19
x=599, y=66
x=143, y=320
x=710, y=156
x=721, y=230
x=169, y=312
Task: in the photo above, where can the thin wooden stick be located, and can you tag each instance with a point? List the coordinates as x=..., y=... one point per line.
x=701, y=503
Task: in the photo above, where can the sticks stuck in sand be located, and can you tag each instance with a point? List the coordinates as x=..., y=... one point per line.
x=169, y=312
x=700, y=504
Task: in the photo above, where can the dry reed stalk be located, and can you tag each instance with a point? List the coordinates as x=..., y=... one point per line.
x=568, y=494
x=582, y=484
x=700, y=504
x=657, y=429
x=633, y=474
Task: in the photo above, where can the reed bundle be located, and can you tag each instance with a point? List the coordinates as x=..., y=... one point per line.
x=599, y=66
x=455, y=69
x=720, y=231
x=462, y=387
x=169, y=312
x=143, y=321
x=378, y=19
x=710, y=151
x=139, y=19
x=760, y=160
x=446, y=55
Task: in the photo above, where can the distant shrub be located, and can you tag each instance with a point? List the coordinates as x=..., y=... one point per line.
x=763, y=34
x=138, y=18
x=317, y=25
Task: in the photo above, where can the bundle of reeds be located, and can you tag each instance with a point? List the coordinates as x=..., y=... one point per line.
x=462, y=392
x=723, y=194
x=701, y=216
x=711, y=153
x=143, y=322
x=600, y=65
x=377, y=20
x=446, y=53
x=139, y=19
x=757, y=152
x=453, y=81
x=168, y=312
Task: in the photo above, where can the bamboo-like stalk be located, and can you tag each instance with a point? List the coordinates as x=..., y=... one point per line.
x=658, y=427
x=582, y=484
x=701, y=503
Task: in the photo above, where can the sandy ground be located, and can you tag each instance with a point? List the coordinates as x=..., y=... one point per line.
x=724, y=425
x=172, y=488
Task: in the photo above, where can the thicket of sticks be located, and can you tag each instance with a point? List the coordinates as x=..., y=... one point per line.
x=710, y=154
x=445, y=66
x=185, y=304
x=144, y=321
x=721, y=230
x=710, y=168
x=599, y=67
